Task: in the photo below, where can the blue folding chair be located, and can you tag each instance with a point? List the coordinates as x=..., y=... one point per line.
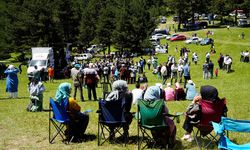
x=233, y=125
x=59, y=120
x=111, y=119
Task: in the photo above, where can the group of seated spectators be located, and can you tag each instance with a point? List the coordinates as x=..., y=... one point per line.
x=177, y=93
x=120, y=90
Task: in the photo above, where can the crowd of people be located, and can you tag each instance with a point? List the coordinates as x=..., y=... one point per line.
x=121, y=70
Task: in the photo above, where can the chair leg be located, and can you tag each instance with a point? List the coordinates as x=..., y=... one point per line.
x=196, y=134
x=98, y=135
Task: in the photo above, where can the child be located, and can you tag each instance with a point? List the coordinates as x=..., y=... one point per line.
x=216, y=71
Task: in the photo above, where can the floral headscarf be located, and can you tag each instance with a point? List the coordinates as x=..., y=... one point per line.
x=152, y=93
x=119, y=88
x=63, y=91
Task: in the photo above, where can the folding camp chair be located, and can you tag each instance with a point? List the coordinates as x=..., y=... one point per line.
x=111, y=119
x=228, y=124
x=106, y=89
x=210, y=111
x=59, y=120
x=151, y=118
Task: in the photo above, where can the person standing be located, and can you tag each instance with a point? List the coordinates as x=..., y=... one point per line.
x=242, y=35
x=174, y=69
x=221, y=61
x=91, y=78
x=186, y=74
x=36, y=74
x=180, y=71
x=11, y=81
x=205, y=70
x=207, y=57
x=77, y=82
x=164, y=73
x=51, y=74
x=211, y=69
x=106, y=73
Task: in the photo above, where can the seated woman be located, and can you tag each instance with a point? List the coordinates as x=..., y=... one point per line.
x=168, y=136
x=179, y=92
x=190, y=90
x=143, y=78
x=79, y=120
x=120, y=90
x=36, y=89
x=169, y=92
x=194, y=110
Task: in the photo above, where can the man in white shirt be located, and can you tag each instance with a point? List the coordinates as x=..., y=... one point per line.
x=137, y=93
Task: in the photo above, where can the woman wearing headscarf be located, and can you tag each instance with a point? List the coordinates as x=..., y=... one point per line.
x=119, y=91
x=11, y=81
x=36, y=89
x=156, y=93
x=190, y=90
x=79, y=120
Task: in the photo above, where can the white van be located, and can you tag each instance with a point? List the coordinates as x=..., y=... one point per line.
x=42, y=57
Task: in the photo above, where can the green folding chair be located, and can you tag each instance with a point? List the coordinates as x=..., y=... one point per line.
x=151, y=118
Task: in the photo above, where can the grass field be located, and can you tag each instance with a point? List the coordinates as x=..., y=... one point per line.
x=24, y=130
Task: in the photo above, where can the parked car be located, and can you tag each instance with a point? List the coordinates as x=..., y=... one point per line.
x=84, y=56
x=155, y=42
x=178, y=38
x=159, y=49
x=158, y=36
x=161, y=31
x=193, y=40
x=206, y=41
x=241, y=16
x=242, y=23
x=170, y=36
x=93, y=49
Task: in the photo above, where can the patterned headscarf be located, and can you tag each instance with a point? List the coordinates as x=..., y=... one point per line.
x=152, y=93
x=63, y=91
x=119, y=88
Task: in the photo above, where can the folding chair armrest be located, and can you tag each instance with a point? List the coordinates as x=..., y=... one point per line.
x=176, y=116
x=47, y=110
x=173, y=115
x=218, y=128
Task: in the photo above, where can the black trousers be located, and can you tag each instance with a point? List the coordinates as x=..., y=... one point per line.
x=80, y=91
x=93, y=89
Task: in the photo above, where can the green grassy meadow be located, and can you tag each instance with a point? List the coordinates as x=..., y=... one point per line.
x=25, y=130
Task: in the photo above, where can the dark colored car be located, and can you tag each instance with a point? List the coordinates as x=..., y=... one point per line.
x=178, y=38
x=206, y=41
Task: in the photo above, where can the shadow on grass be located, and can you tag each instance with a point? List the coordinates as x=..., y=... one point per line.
x=85, y=138
x=7, y=98
x=89, y=137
